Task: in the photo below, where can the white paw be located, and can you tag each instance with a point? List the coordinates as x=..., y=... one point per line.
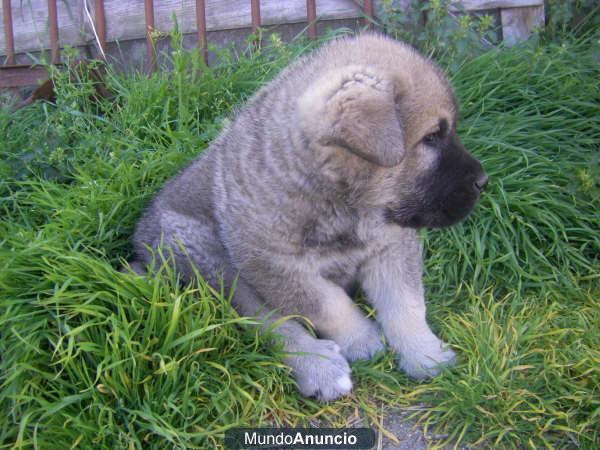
x=321, y=371
x=425, y=359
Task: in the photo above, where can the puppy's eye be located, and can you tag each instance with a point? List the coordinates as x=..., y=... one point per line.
x=432, y=138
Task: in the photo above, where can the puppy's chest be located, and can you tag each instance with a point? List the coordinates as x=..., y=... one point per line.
x=320, y=237
x=338, y=249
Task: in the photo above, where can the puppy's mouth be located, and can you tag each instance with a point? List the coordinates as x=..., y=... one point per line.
x=419, y=211
x=454, y=210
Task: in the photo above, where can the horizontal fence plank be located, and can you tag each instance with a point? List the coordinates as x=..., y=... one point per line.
x=221, y=14
x=467, y=5
x=125, y=18
x=30, y=25
x=21, y=75
x=475, y=5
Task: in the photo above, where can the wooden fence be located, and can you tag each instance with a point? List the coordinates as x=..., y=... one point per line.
x=39, y=25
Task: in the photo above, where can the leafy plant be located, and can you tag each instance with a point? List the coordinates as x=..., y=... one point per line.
x=568, y=17
x=438, y=27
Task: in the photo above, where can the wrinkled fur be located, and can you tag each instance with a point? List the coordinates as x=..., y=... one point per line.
x=320, y=183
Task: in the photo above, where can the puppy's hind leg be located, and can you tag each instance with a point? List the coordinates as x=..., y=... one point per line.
x=318, y=366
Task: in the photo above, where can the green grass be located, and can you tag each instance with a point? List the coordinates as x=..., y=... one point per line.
x=94, y=358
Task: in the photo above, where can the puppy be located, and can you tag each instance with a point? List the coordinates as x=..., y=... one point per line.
x=319, y=183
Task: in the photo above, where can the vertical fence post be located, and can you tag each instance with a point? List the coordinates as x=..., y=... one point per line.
x=255, y=12
x=201, y=25
x=9, y=37
x=150, y=50
x=368, y=9
x=423, y=16
x=100, y=19
x=311, y=17
x=53, y=25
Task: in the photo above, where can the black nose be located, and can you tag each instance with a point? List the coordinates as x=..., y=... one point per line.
x=481, y=183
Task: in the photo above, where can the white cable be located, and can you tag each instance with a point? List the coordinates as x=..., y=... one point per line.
x=93, y=26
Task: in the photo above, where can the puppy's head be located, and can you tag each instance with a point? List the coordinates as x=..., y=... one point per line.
x=390, y=123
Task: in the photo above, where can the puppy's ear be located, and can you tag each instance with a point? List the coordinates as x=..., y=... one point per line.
x=355, y=109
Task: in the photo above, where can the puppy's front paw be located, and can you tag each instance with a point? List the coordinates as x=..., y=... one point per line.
x=361, y=344
x=426, y=359
x=321, y=371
